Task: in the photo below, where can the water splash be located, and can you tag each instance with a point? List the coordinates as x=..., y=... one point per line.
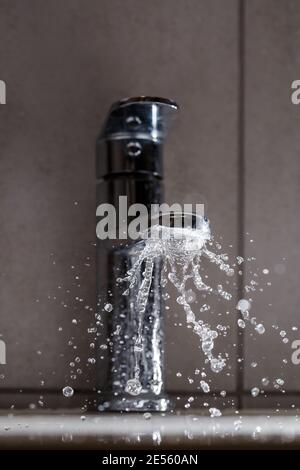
x=181, y=251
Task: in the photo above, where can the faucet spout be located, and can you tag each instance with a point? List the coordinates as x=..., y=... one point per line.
x=130, y=163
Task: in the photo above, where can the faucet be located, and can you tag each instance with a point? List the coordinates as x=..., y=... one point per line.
x=130, y=163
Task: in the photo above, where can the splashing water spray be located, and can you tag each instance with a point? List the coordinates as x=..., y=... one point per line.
x=180, y=251
x=173, y=253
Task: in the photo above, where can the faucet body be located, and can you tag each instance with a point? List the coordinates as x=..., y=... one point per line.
x=129, y=163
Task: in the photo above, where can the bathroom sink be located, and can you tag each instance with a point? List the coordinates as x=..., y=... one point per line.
x=59, y=430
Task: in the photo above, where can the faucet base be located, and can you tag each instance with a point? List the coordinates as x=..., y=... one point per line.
x=136, y=404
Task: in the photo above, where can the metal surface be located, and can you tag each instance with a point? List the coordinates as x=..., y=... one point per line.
x=133, y=135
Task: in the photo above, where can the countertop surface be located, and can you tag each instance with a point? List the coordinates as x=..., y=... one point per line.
x=55, y=430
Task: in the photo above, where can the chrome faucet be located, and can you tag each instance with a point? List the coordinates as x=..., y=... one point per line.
x=129, y=163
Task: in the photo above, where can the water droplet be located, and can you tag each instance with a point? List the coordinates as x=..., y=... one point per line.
x=215, y=412
x=255, y=391
x=279, y=382
x=108, y=307
x=205, y=387
x=260, y=329
x=204, y=308
x=133, y=387
x=243, y=305
x=68, y=391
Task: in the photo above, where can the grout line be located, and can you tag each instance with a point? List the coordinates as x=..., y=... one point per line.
x=241, y=189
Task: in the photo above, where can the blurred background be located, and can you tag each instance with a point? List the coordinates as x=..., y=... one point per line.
x=235, y=148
